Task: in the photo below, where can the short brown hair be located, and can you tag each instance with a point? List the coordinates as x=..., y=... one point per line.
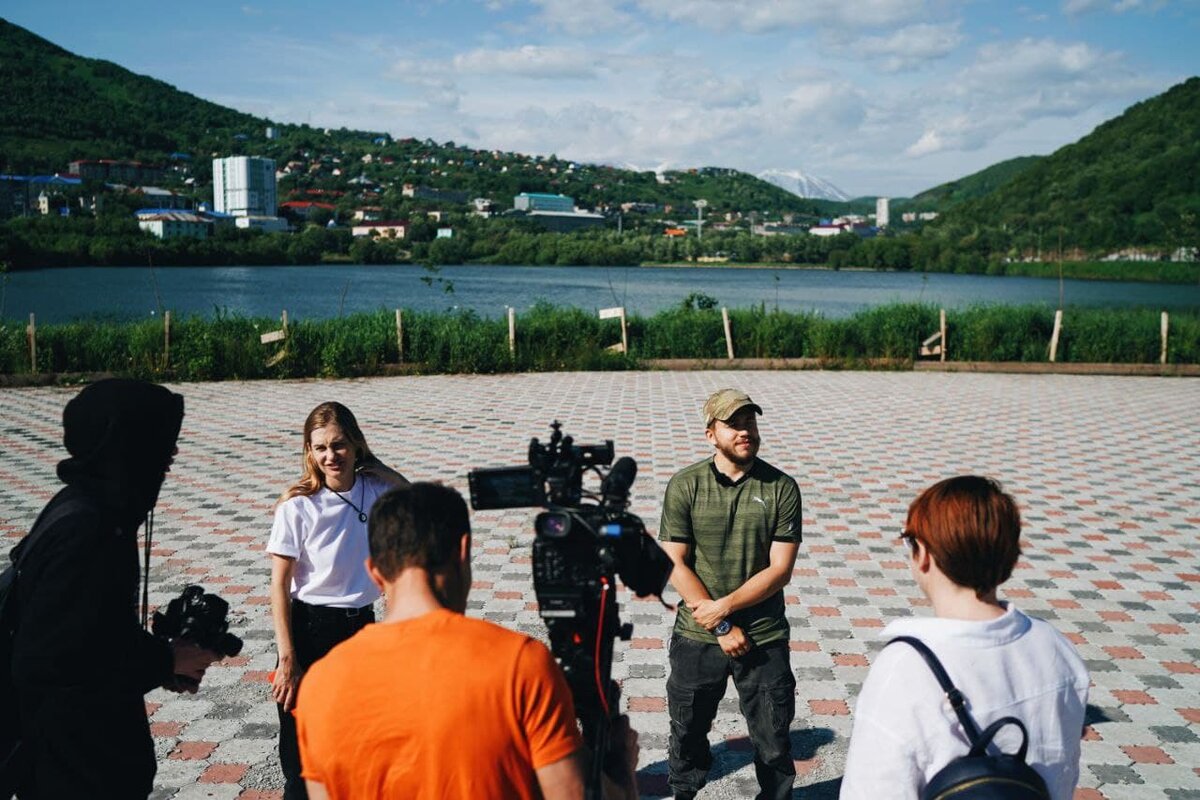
x=416, y=526
x=972, y=529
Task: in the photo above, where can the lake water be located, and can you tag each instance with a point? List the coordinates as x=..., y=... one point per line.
x=57, y=295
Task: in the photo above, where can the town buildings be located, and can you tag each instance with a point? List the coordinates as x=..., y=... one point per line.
x=244, y=186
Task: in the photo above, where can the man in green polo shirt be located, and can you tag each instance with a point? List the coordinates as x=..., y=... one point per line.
x=731, y=524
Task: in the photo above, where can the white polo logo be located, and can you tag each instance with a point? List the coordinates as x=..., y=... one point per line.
x=758, y=499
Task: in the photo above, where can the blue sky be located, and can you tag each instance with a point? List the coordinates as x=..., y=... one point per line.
x=877, y=96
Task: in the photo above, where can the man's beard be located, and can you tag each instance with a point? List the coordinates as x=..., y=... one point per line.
x=730, y=452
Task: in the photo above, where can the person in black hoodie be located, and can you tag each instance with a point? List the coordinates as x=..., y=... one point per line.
x=82, y=663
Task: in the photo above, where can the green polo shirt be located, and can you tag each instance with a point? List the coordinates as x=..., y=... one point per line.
x=730, y=526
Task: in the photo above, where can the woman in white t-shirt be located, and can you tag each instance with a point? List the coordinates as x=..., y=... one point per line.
x=320, y=591
x=963, y=538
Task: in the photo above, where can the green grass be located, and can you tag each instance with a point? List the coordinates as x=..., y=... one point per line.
x=548, y=338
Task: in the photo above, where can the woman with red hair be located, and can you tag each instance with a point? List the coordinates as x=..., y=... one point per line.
x=962, y=537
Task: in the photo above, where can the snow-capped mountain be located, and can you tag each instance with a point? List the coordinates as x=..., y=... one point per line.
x=803, y=185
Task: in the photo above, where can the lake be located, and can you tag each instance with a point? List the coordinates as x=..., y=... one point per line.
x=57, y=295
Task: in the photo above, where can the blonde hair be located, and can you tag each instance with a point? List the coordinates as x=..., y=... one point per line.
x=312, y=479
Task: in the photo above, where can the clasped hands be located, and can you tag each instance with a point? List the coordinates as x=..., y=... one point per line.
x=708, y=613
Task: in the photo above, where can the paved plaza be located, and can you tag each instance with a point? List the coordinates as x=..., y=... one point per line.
x=1105, y=469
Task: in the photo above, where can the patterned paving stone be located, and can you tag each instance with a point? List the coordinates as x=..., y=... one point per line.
x=1104, y=469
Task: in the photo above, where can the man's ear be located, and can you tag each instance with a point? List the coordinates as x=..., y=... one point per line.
x=464, y=549
x=376, y=576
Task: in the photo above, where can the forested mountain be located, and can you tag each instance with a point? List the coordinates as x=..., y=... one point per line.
x=979, y=184
x=61, y=107
x=1134, y=180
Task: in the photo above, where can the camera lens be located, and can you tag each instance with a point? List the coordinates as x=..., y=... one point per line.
x=552, y=525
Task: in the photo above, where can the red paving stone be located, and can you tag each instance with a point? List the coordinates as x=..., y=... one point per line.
x=1190, y=714
x=1142, y=754
x=224, y=773
x=193, y=751
x=166, y=730
x=835, y=708
x=645, y=643
x=647, y=704
x=1133, y=697
x=851, y=660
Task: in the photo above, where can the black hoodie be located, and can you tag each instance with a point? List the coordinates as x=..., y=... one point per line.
x=82, y=661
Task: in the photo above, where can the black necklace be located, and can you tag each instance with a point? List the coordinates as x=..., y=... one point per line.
x=362, y=515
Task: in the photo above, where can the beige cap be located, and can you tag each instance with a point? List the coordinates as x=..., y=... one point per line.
x=725, y=403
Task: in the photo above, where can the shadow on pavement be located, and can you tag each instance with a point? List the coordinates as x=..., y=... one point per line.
x=732, y=755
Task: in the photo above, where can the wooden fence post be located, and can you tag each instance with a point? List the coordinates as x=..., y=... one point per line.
x=512, y=331
x=166, y=339
x=277, y=336
x=728, y=332
x=928, y=348
x=1162, y=359
x=31, y=335
x=400, y=335
x=1054, y=336
x=942, y=328
x=617, y=312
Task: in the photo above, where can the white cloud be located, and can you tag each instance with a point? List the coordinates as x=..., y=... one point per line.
x=529, y=61
x=1074, y=8
x=1014, y=84
x=703, y=87
x=583, y=18
x=765, y=16
x=911, y=46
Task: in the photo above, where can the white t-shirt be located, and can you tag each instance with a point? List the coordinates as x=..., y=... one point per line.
x=905, y=730
x=329, y=542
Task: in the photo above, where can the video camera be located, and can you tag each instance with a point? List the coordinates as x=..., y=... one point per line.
x=200, y=618
x=578, y=550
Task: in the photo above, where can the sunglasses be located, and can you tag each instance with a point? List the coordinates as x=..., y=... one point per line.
x=910, y=540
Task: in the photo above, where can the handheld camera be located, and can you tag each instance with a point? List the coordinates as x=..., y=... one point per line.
x=202, y=618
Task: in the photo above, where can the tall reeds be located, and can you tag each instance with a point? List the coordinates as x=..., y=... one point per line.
x=227, y=346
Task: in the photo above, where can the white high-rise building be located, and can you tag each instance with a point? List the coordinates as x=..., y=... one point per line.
x=881, y=212
x=244, y=186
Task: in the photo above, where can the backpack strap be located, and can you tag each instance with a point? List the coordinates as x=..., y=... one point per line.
x=957, y=701
x=980, y=745
x=43, y=523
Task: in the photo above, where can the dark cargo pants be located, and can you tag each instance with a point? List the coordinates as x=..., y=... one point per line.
x=766, y=690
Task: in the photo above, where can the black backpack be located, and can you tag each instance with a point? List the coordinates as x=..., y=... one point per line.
x=12, y=761
x=977, y=775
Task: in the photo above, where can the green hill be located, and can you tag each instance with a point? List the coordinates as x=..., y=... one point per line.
x=1134, y=180
x=62, y=107
x=979, y=184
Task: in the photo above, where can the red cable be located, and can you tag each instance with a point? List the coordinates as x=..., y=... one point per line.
x=600, y=688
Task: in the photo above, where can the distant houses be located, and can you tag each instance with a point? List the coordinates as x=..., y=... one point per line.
x=110, y=171
x=554, y=212
x=168, y=224
x=392, y=229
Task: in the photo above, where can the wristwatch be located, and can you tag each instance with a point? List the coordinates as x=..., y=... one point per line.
x=723, y=627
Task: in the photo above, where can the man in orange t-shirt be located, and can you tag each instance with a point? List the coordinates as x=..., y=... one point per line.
x=430, y=703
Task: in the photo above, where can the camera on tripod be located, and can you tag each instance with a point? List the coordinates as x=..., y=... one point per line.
x=583, y=540
x=200, y=618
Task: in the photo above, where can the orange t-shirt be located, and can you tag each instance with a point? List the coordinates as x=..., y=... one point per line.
x=440, y=706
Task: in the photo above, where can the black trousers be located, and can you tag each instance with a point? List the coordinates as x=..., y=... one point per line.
x=315, y=631
x=767, y=692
